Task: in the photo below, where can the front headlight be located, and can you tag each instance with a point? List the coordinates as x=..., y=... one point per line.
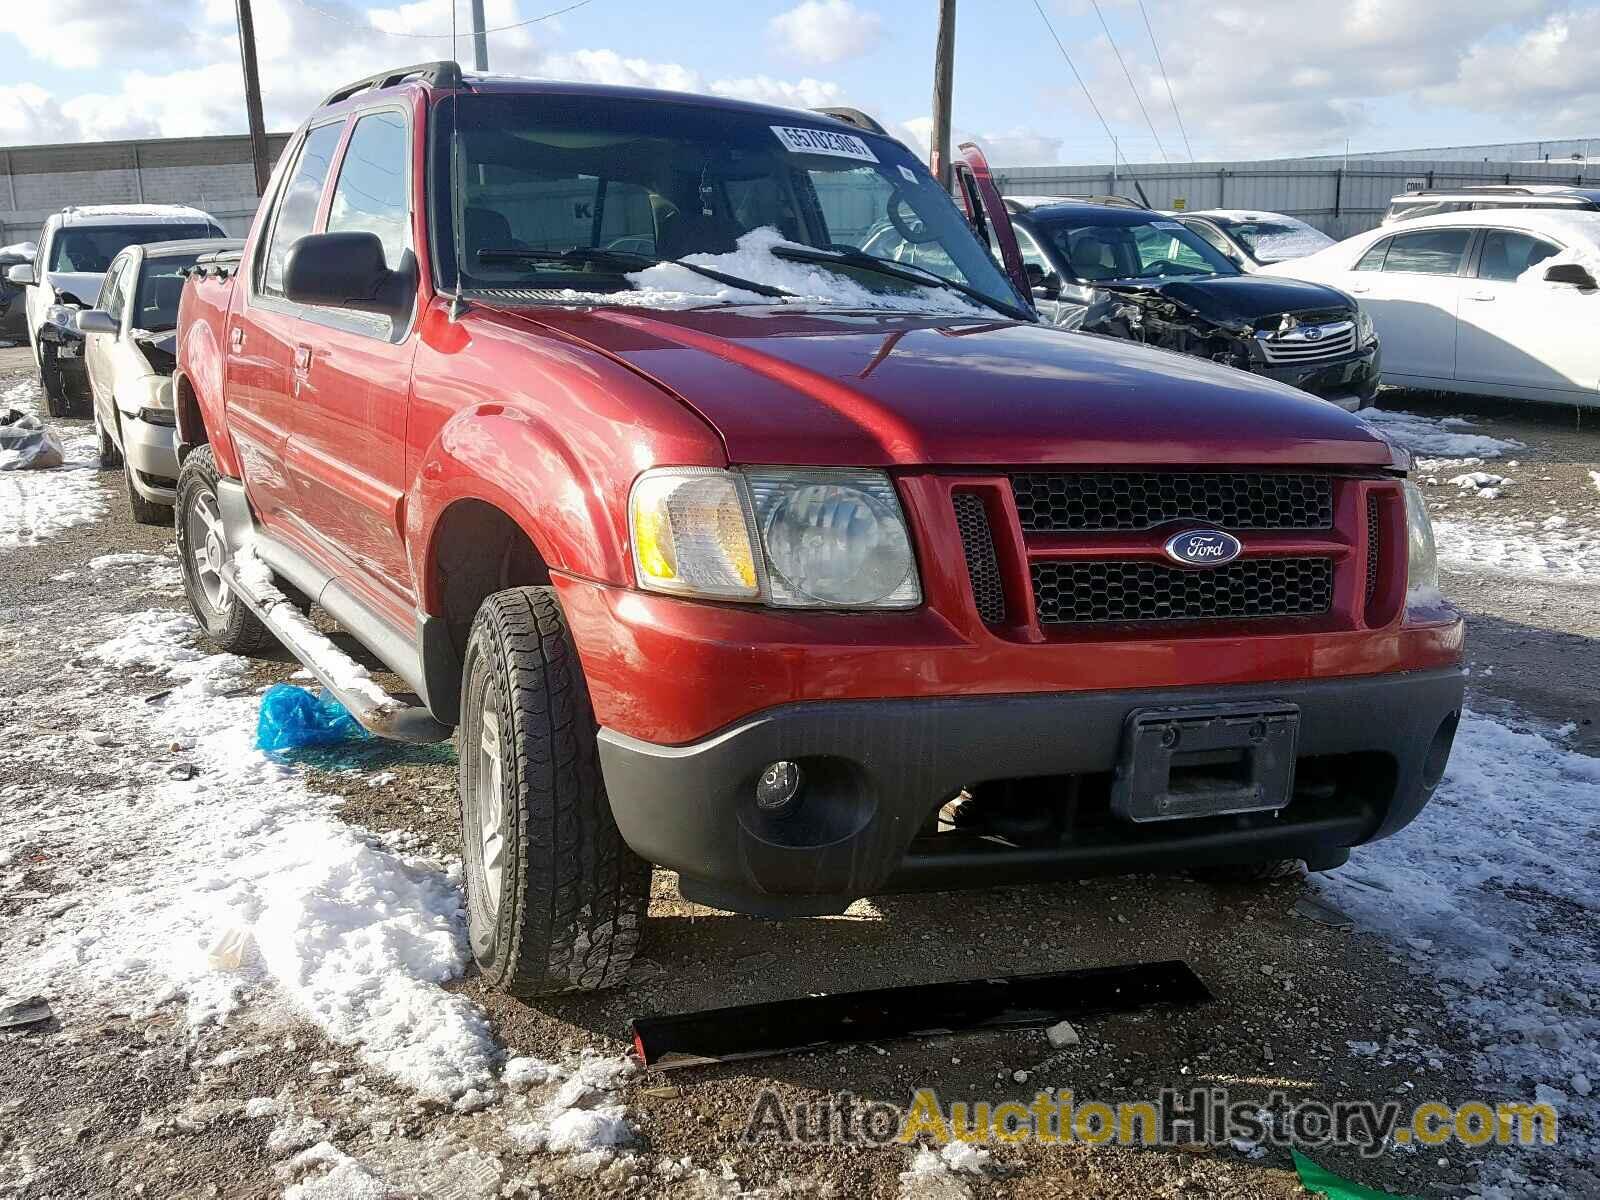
x=1366, y=331
x=1422, y=572
x=791, y=538
x=834, y=539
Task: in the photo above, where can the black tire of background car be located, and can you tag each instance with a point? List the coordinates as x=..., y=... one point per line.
x=235, y=628
x=573, y=896
x=58, y=402
x=110, y=456
x=145, y=512
x=1281, y=868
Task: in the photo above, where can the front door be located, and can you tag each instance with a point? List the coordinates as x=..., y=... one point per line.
x=263, y=333
x=975, y=187
x=1411, y=285
x=97, y=347
x=1519, y=331
x=347, y=447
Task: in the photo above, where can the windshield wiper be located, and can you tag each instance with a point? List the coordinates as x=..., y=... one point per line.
x=579, y=255
x=895, y=270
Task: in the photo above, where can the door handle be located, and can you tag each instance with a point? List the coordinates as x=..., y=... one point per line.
x=236, y=338
x=1481, y=296
x=1360, y=291
x=302, y=359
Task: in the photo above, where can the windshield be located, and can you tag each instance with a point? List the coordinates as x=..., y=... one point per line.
x=656, y=180
x=90, y=248
x=1276, y=239
x=1104, y=250
x=160, y=288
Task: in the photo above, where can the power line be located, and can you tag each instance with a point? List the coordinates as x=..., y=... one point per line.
x=1086, y=95
x=369, y=27
x=1128, y=75
x=1167, y=79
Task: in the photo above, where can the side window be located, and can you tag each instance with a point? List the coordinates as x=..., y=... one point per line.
x=1372, y=260
x=1031, y=254
x=1218, y=242
x=1430, y=252
x=111, y=289
x=373, y=194
x=297, y=204
x=1507, y=254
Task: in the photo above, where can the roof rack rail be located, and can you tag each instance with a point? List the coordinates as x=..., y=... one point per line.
x=441, y=74
x=1492, y=189
x=852, y=116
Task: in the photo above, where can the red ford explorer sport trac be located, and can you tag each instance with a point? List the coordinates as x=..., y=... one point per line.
x=803, y=571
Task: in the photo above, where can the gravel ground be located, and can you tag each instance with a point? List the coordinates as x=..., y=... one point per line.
x=129, y=1105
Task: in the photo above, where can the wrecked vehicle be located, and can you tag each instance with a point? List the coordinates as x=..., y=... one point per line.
x=1137, y=274
x=724, y=545
x=75, y=247
x=13, y=296
x=130, y=351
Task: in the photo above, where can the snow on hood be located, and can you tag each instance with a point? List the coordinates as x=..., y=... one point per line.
x=20, y=249
x=669, y=286
x=85, y=285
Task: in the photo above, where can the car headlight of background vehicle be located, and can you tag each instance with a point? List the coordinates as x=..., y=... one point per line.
x=1366, y=331
x=1422, y=571
x=791, y=538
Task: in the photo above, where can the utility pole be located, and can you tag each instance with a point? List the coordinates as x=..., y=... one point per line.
x=252, y=96
x=944, y=66
x=480, y=39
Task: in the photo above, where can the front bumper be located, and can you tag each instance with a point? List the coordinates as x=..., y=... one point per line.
x=1350, y=382
x=878, y=771
x=152, y=454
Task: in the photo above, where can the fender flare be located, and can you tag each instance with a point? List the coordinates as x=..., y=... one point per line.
x=507, y=458
x=198, y=387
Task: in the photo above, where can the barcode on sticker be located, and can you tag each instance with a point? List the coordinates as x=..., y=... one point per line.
x=801, y=140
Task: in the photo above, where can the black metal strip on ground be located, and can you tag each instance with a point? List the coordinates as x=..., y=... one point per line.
x=919, y=1010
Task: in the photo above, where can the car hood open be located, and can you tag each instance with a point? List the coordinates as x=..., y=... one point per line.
x=850, y=388
x=82, y=285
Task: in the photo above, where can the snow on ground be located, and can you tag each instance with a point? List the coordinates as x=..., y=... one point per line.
x=1553, y=548
x=1492, y=893
x=35, y=505
x=1438, y=437
x=233, y=891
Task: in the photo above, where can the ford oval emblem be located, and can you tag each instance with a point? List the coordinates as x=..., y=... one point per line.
x=1203, y=548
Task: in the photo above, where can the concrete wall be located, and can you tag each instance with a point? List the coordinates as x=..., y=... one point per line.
x=212, y=173
x=1341, y=201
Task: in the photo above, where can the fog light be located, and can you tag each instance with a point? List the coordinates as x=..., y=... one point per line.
x=778, y=789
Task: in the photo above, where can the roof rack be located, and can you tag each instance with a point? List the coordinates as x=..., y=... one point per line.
x=444, y=74
x=1023, y=204
x=1484, y=188
x=852, y=116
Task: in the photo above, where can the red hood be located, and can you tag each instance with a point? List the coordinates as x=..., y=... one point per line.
x=886, y=389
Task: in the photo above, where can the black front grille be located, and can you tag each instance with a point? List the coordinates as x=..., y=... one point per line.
x=977, y=543
x=1374, y=548
x=1069, y=502
x=1122, y=590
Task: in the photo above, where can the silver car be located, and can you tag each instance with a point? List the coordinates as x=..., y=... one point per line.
x=130, y=351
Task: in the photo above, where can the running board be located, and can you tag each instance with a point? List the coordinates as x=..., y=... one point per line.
x=380, y=713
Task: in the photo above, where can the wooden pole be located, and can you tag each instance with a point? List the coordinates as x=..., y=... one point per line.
x=252, y=96
x=944, y=65
x=480, y=39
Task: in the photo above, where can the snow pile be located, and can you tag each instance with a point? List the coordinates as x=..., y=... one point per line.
x=37, y=505
x=1483, y=484
x=1491, y=891
x=1426, y=435
x=1552, y=548
x=584, y=1115
x=669, y=286
x=936, y=1174
x=239, y=881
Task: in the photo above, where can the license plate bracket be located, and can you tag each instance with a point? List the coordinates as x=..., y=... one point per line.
x=1205, y=761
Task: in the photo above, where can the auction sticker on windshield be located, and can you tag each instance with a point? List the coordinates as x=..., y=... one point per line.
x=824, y=141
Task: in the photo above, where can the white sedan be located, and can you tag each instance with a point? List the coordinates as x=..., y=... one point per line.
x=1494, y=303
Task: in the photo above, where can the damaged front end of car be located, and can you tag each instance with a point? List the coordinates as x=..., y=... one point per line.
x=1330, y=352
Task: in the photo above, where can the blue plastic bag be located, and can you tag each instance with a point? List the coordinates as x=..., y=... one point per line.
x=293, y=718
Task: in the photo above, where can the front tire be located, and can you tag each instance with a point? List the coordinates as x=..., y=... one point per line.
x=555, y=898
x=145, y=512
x=203, y=551
x=57, y=403
x=110, y=456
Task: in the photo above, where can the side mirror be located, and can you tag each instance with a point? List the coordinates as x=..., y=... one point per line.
x=97, y=320
x=22, y=274
x=346, y=270
x=1046, y=285
x=1575, y=274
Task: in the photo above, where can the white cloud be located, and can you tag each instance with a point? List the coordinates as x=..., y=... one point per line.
x=75, y=34
x=826, y=31
x=28, y=113
x=1016, y=148
x=806, y=93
